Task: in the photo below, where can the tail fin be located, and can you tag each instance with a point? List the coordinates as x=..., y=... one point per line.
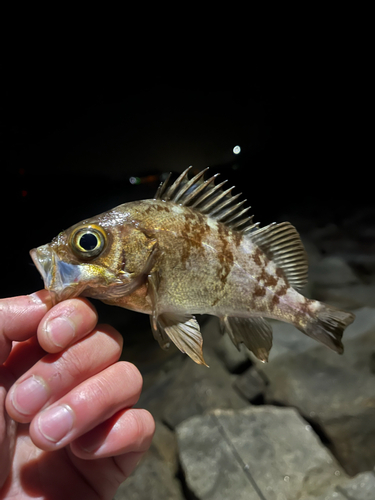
x=328, y=326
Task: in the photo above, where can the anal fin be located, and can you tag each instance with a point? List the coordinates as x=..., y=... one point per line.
x=255, y=333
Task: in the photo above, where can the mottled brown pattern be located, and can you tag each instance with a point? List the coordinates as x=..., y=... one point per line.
x=275, y=300
x=225, y=254
x=256, y=256
x=276, y=297
x=303, y=313
x=237, y=237
x=259, y=291
x=279, y=272
x=194, y=228
x=269, y=280
x=162, y=208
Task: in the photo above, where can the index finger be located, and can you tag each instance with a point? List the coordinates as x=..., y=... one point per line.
x=20, y=317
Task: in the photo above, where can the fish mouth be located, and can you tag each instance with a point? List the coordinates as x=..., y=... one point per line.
x=60, y=278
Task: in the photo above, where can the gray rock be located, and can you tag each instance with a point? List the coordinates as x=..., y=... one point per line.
x=286, y=340
x=233, y=359
x=164, y=445
x=331, y=271
x=152, y=480
x=347, y=297
x=335, y=392
x=198, y=389
x=258, y=452
x=192, y=390
x=250, y=384
x=361, y=487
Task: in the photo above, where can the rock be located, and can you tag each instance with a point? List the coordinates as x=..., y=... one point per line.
x=198, y=389
x=257, y=452
x=152, y=480
x=337, y=393
x=250, y=384
x=287, y=339
x=164, y=445
x=331, y=271
x=347, y=297
x=313, y=253
x=192, y=390
x=361, y=487
x=234, y=360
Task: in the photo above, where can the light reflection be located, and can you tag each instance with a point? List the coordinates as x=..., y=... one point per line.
x=236, y=150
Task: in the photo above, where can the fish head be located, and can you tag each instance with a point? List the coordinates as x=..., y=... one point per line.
x=102, y=257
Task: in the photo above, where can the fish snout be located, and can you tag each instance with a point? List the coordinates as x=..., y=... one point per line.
x=60, y=278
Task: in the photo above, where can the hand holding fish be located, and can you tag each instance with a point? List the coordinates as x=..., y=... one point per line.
x=67, y=429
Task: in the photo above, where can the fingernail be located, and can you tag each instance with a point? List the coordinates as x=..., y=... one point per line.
x=41, y=297
x=56, y=422
x=29, y=396
x=61, y=331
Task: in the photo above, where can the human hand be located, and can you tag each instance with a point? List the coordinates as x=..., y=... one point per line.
x=67, y=427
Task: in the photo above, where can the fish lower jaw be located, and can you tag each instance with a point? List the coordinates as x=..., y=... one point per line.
x=38, y=264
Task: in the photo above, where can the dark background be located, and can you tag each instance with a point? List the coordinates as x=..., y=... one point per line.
x=68, y=148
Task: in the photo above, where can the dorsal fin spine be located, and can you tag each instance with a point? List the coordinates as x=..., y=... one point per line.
x=186, y=201
x=205, y=194
x=224, y=204
x=241, y=222
x=176, y=184
x=209, y=203
x=237, y=214
x=162, y=187
x=211, y=200
x=212, y=205
x=188, y=185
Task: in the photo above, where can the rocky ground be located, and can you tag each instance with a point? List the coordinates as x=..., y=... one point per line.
x=299, y=427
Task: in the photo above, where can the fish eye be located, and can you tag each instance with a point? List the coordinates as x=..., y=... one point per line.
x=88, y=241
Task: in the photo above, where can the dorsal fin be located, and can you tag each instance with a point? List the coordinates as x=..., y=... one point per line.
x=282, y=244
x=207, y=198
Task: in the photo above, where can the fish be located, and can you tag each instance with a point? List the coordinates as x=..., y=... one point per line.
x=192, y=249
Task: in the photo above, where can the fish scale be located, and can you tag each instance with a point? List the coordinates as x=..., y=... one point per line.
x=193, y=249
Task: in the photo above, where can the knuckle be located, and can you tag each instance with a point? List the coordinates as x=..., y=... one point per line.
x=72, y=363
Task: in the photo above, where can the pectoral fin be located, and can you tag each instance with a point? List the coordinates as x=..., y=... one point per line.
x=183, y=330
x=185, y=333
x=157, y=331
x=127, y=287
x=254, y=332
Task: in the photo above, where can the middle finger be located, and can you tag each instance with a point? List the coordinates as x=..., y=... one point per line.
x=56, y=374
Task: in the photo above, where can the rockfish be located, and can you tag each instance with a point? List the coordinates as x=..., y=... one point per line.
x=191, y=250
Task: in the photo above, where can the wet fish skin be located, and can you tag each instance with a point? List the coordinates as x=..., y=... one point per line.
x=192, y=250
